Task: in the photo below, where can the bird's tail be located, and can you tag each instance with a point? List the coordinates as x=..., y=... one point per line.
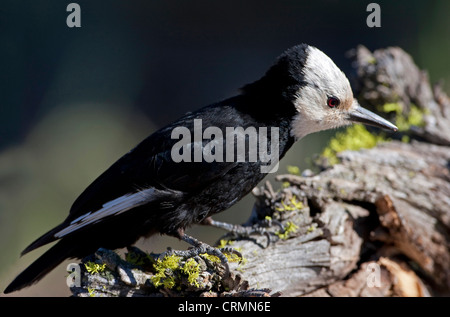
x=43, y=265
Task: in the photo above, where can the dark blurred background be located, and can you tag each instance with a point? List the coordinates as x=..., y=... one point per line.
x=73, y=100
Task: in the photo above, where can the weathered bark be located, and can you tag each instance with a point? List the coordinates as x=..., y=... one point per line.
x=376, y=224
x=390, y=76
x=385, y=205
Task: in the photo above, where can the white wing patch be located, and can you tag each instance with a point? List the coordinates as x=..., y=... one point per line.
x=111, y=208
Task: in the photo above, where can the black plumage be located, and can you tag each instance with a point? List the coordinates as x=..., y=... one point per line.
x=181, y=193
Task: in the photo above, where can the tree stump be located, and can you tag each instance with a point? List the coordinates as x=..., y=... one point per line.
x=375, y=224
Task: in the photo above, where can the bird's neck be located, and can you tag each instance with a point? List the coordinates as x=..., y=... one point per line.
x=270, y=112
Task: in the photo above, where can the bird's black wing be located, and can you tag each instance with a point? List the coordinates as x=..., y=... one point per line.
x=146, y=174
x=150, y=166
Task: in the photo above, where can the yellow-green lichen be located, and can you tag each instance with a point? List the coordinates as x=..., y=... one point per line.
x=311, y=228
x=354, y=138
x=372, y=60
x=192, y=269
x=405, y=139
x=233, y=257
x=295, y=170
x=290, y=227
x=402, y=121
x=285, y=184
x=293, y=204
x=211, y=258
x=170, y=270
x=91, y=292
x=391, y=107
x=94, y=268
x=223, y=243
x=230, y=257
x=165, y=271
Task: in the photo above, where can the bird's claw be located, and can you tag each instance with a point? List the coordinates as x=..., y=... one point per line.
x=199, y=248
x=240, y=231
x=269, y=222
x=232, y=251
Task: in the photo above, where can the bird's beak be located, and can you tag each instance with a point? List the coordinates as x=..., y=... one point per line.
x=360, y=115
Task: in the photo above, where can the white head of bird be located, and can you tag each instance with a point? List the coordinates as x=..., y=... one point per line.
x=325, y=99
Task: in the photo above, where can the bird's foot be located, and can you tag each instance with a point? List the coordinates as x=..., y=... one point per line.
x=200, y=248
x=240, y=231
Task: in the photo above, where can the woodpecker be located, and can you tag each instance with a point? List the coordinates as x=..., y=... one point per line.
x=148, y=192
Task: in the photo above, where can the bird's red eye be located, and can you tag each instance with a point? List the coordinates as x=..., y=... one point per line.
x=333, y=102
